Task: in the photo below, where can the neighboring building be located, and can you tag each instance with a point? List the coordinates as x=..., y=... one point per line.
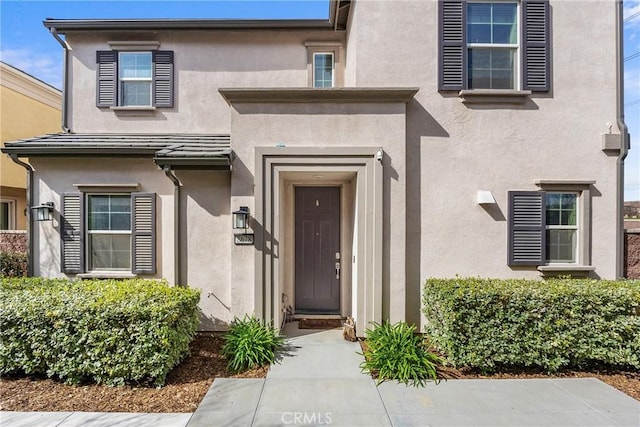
x=632, y=215
x=28, y=108
x=356, y=145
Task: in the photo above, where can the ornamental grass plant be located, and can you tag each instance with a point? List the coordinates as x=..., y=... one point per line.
x=250, y=343
x=396, y=352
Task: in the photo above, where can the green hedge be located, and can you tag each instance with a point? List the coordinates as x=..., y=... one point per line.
x=13, y=264
x=491, y=324
x=104, y=331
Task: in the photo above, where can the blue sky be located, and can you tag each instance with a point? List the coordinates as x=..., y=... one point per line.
x=26, y=44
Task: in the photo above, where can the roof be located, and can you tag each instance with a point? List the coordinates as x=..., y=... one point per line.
x=177, y=151
x=338, y=17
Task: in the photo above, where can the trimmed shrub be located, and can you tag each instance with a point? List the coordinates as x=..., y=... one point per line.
x=249, y=344
x=112, y=332
x=13, y=264
x=396, y=352
x=491, y=324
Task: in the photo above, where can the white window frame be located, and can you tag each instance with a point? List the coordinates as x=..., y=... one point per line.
x=11, y=213
x=577, y=228
x=122, y=80
x=333, y=68
x=517, y=60
x=89, y=232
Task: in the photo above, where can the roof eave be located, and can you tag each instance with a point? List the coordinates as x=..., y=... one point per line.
x=222, y=163
x=22, y=151
x=63, y=25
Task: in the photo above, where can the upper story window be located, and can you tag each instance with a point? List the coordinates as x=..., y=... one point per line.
x=492, y=45
x=134, y=79
x=501, y=45
x=323, y=66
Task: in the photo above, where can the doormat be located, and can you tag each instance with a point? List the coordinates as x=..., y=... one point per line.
x=319, y=323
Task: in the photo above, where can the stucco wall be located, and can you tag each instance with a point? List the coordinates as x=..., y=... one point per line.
x=204, y=62
x=454, y=149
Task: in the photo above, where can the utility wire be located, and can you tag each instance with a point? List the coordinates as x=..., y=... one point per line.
x=630, y=57
x=636, y=102
x=630, y=17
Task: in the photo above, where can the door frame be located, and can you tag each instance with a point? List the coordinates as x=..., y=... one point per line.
x=274, y=166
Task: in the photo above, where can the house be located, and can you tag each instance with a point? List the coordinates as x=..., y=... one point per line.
x=29, y=107
x=334, y=165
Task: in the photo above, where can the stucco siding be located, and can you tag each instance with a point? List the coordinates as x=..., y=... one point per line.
x=204, y=62
x=465, y=148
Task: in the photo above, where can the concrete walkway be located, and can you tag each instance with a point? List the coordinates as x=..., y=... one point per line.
x=318, y=382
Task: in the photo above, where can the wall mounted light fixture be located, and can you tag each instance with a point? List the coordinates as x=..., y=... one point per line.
x=241, y=222
x=485, y=197
x=43, y=212
x=241, y=218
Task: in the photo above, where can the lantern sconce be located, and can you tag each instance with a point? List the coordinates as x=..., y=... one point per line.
x=241, y=222
x=43, y=212
x=241, y=218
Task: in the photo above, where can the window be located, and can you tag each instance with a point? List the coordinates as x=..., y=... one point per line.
x=550, y=228
x=323, y=70
x=492, y=45
x=501, y=45
x=109, y=230
x=561, y=226
x=324, y=67
x=6, y=214
x=134, y=79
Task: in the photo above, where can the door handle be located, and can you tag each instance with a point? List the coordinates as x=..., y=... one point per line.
x=338, y=270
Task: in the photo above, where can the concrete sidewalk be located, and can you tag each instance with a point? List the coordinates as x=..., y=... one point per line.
x=318, y=382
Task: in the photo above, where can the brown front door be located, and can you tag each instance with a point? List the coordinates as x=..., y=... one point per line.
x=317, y=247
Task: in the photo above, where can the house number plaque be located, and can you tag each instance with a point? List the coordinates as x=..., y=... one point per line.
x=243, y=239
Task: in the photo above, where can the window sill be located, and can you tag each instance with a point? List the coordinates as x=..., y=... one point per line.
x=494, y=96
x=134, y=110
x=566, y=269
x=106, y=275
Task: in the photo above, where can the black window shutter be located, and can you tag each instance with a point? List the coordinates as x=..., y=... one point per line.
x=72, y=233
x=163, y=78
x=107, y=84
x=536, y=50
x=527, y=234
x=452, y=71
x=143, y=233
